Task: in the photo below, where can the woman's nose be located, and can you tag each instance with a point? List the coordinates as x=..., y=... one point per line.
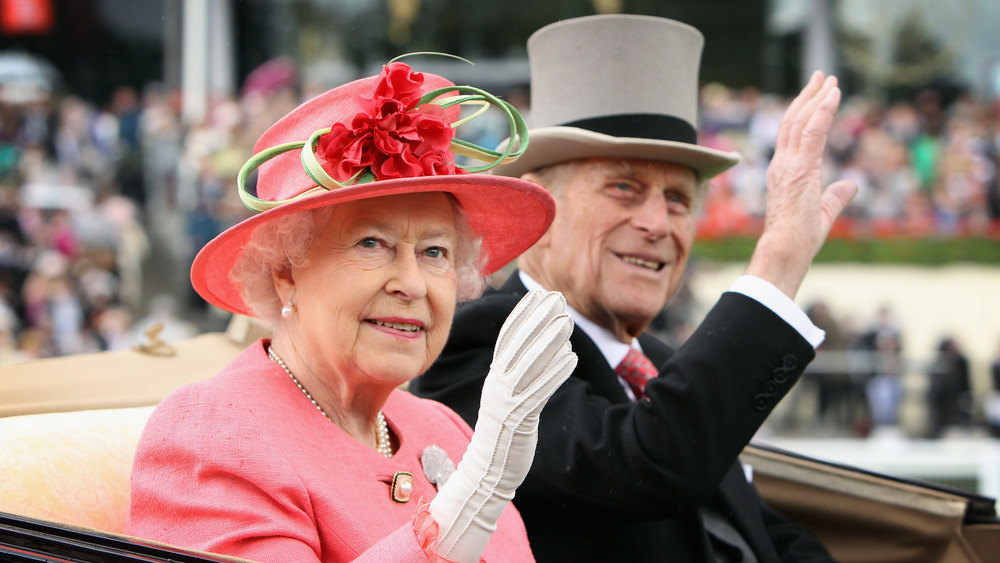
x=407, y=279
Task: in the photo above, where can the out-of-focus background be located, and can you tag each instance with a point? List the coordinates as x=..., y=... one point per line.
x=123, y=124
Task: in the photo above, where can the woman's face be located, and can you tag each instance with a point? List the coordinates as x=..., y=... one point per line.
x=376, y=297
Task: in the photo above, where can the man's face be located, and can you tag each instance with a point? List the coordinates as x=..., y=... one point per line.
x=620, y=240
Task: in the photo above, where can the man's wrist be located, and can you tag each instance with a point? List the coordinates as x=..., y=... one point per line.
x=779, y=264
x=770, y=296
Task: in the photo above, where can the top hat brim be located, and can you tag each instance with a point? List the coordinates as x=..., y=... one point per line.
x=508, y=213
x=553, y=145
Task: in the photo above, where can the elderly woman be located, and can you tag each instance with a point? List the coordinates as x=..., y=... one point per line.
x=304, y=448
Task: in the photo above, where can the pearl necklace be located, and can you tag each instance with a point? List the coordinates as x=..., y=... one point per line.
x=384, y=445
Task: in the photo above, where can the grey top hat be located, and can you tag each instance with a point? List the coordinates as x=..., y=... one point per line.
x=621, y=86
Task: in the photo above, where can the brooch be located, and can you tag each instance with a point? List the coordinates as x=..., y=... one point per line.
x=402, y=487
x=437, y=465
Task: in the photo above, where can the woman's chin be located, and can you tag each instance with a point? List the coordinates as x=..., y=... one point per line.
x=395, y=375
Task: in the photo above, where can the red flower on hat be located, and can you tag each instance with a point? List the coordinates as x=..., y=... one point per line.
x=392, y=137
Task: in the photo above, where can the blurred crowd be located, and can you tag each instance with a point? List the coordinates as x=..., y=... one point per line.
x=864, y=379
x=925, y=166
x=103, y=206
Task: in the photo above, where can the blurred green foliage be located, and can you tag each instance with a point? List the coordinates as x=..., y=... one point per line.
x=922, y=251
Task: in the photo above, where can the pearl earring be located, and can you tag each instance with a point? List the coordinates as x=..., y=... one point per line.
x=288, y=309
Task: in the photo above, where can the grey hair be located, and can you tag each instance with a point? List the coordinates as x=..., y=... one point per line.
x=280, y=244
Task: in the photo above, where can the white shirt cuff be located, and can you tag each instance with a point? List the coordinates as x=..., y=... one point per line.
x=765, y=293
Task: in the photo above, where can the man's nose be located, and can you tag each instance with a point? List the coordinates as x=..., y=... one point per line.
x=652, y=217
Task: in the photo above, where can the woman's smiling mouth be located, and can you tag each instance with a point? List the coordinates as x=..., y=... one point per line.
x=405, y=327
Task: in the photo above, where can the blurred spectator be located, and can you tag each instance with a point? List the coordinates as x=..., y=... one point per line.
x=993, y=401
x=85, y=143
x=926, y=146
x=65, y=316
x=160, y=138
x=126, y=110
x=949, y=393
x=883, y=343
x=838, y=406
x=9, y=349
x=131, y=247
x=113, y=328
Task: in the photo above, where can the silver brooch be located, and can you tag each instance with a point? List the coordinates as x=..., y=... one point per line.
x=437, y=465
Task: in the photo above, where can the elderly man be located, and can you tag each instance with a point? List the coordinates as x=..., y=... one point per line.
x=637, y=451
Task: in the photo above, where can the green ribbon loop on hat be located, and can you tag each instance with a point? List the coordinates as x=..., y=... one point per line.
x=325, y=182
x=254, y=203
x=492, y=158
x=315, y=170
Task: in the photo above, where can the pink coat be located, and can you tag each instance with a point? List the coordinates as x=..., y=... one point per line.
x=243, y=464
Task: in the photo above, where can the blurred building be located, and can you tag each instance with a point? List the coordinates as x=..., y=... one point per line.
x=203, y=48
x=206, y=47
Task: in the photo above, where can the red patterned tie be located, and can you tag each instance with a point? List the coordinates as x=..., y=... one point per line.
x=636, y=370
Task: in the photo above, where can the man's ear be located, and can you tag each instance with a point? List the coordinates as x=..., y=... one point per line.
x=536, y=179
x=533, y=178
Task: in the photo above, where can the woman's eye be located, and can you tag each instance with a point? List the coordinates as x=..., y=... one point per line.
x=368, y=242
x=436, y=252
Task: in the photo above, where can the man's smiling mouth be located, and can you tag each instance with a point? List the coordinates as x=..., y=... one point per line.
x=648, y=264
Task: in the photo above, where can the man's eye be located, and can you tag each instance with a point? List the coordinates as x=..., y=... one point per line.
x=623, y=189
x=679, y=201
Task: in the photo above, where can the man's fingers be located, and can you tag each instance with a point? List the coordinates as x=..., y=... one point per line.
x=837, y=197
x=803, y=122
x=813, y=137
x=791, y=113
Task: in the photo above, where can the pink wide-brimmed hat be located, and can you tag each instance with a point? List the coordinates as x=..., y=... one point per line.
x=379, y=136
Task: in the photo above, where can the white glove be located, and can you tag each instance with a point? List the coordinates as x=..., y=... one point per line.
x=531, y=360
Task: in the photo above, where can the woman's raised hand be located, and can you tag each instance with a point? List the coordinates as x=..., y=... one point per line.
x=531, y=360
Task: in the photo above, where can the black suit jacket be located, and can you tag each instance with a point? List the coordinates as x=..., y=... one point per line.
x=618, y=480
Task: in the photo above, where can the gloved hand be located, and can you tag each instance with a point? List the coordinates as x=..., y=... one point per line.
x=531, y=360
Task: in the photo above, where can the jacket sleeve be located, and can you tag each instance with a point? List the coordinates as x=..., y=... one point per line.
x=647, y=459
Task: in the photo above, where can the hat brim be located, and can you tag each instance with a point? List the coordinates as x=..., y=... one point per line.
x=508, y=213
x=552, y=145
